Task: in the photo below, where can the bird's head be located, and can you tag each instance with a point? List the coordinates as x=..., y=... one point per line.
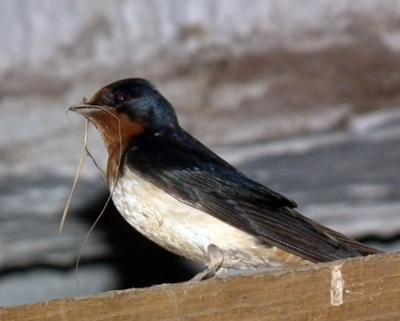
x=127, y=109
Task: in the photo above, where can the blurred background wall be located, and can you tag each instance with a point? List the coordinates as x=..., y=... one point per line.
x=303, y=96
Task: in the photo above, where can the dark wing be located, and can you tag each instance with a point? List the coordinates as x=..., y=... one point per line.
x=187, y=170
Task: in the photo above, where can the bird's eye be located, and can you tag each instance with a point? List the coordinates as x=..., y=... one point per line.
x=120, y=97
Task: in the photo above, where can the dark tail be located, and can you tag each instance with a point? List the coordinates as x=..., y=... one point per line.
x=348, y=243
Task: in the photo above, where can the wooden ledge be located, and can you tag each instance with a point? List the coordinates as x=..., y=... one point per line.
x=353, y=290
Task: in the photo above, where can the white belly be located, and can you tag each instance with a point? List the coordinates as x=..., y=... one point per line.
x=182, y=229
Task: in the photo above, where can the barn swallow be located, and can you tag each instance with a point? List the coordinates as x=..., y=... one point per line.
x=184, y=197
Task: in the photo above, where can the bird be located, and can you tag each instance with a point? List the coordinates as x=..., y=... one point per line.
x=184, y=197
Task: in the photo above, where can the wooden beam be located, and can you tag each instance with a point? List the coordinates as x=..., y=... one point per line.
x=353, y=290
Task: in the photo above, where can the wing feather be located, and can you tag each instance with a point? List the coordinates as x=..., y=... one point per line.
x=180, y=165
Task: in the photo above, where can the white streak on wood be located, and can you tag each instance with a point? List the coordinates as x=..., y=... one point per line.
x=337, y=285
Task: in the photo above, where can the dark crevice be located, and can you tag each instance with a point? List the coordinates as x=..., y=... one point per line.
x=380, y=239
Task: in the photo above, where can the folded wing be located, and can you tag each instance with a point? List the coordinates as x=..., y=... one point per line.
x=187, y=170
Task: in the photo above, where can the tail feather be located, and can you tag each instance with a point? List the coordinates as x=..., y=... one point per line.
x=349, y=243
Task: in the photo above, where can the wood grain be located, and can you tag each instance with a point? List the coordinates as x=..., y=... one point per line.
x=353, y=290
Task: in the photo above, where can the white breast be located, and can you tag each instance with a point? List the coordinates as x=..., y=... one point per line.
x=182, y=229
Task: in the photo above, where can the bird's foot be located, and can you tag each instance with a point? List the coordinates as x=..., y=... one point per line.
x=216, y=259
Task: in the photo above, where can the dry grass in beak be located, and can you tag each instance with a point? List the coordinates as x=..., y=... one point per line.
x=85, y=152
x=76, y=178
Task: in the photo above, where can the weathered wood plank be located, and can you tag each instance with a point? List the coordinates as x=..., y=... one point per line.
x=352, y=290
